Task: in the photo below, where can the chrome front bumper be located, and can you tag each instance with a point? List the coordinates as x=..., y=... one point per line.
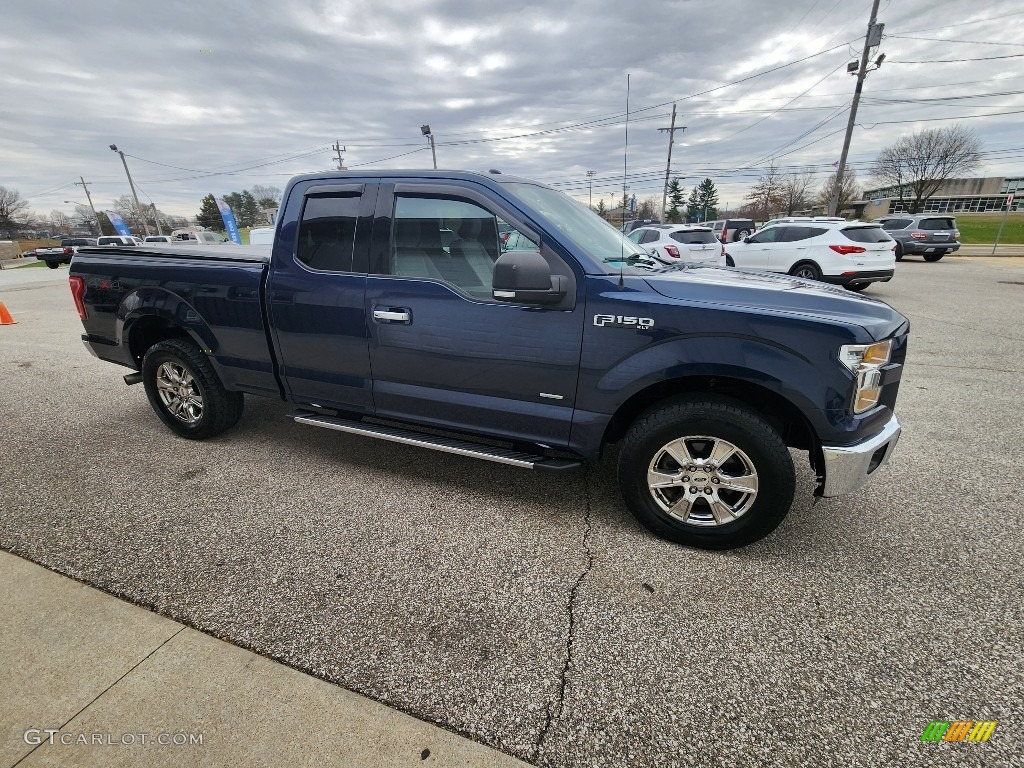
x=848, y=467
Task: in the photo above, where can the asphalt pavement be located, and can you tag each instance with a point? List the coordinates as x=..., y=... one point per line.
x=529, y=611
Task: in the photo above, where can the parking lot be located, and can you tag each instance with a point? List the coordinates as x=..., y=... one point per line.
x=529, y=611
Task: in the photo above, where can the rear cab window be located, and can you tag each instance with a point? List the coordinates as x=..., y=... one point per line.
x=694, y=238
x=937, y=223
x=327, y=232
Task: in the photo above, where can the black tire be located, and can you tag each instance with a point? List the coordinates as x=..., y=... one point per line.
x=760, y=446
x=858, y=287
x=52, y=264
x=741, y=234
x=728, y=261
x=219, y=410
x=933, y=256
x=899, y=252
x=807, y=270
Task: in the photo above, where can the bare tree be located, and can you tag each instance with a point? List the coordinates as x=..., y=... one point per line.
x=125, y=207
x=61, y=221
x=849, y=192
x=266, y=196
x=13, y=210
x=920, y=162
x=766, y=196
x=796, y=192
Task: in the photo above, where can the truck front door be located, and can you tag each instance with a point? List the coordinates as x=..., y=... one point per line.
x=442, y=350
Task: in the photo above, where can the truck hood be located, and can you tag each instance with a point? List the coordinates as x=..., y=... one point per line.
x=779, y=293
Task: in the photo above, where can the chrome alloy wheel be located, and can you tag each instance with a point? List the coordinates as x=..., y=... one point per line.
x=179, y=392
x=806, y=272
x=703, y=481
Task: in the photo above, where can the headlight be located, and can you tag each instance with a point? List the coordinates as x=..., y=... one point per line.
x=866, y=361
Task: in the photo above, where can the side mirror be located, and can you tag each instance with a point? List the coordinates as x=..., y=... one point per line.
x=746, y=239
x=525, y=276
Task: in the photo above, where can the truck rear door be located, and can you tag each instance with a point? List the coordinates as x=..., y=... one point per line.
x=442, y=350
x=316, y=292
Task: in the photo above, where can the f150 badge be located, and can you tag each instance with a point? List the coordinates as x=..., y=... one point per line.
x=619, y=321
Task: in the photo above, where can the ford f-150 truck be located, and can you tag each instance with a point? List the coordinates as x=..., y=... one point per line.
x=390, y=307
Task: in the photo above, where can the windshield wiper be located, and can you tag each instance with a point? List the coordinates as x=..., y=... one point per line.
x=633, y=258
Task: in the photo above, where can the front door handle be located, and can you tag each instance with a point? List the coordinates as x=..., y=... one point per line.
x=393, y=315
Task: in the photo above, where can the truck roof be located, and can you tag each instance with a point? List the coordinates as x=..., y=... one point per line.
x=417, y=173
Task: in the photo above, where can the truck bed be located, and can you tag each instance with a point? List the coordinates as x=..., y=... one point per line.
x=257, y=253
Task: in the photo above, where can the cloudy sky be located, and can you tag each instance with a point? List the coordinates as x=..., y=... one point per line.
x=216, y=96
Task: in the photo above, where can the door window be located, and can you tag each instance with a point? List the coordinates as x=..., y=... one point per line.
x=650, y=236
x=769, y=235
x=450, y=240
x=327, y=233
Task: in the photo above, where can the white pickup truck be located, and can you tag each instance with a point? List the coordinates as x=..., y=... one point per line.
x=56, y=255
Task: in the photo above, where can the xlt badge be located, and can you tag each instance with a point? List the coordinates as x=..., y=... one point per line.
x=620, y=321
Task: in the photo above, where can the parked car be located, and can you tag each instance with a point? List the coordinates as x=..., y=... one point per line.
x=629, y=226
x=853, y=254
x=680, y=244
x=261, y=235
x=931, y=235
x=537, y=359
x=199, y=236
x=731, y=230
x=63, y=253
x=119, y=240
x=156, y=239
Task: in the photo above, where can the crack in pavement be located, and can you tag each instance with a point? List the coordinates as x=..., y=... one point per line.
x=555, y=709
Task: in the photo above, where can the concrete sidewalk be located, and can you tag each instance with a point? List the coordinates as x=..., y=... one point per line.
x=152, y=692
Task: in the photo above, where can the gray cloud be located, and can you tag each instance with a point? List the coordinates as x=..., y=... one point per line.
x=224, y=86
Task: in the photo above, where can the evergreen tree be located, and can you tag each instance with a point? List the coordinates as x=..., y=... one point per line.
x=248, y=210
x=209, y=214
x=602, y=209
x=706, y=200
x=676, y=201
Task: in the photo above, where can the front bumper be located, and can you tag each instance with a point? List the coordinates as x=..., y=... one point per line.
x=848, y=467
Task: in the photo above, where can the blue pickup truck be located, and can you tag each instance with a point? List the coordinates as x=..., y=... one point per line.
x=494, y=317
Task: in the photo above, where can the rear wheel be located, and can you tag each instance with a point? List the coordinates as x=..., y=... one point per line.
x=899, y=252
x=52, y=264
x=706, y=473
x=806, y=270
x=742, y=234
x=933, y=256
x=185, y=392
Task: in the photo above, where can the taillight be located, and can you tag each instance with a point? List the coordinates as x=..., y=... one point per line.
x=672, y=251
x=919, y=235
x=725, y=235
x=69, y=251
x=846, y=250
x=78, y=293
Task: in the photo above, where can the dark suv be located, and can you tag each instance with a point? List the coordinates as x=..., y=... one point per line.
x=931, y=235
x=731, y=230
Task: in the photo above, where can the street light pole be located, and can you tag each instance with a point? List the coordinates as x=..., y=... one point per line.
x=113, y=148
x=425, y=130
x=833, y=204
x=590, y=180
x=95, y=216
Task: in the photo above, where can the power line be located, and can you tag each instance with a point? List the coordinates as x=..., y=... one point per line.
x=950, y=40
x=958, y=61
x=960, y=23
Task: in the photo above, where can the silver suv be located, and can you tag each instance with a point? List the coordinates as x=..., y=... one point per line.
x=931, y=235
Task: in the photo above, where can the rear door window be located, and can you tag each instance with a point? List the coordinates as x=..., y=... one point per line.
x=865, y=234
x=327, y=232
x=893, y=224
x=650, y=236
x=694, y=238
x=940, y=223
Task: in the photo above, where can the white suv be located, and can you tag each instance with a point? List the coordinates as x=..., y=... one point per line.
x=853, y=254
x=680, y=244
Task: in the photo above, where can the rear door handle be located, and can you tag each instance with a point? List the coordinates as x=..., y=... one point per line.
x=393, y=315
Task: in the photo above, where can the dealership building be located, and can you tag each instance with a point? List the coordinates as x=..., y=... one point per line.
x=987, y=194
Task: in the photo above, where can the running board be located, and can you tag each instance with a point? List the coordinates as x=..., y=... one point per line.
x=435, y=442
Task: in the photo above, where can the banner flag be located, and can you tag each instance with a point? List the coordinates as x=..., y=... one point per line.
x=118, y=222
x=229, y=221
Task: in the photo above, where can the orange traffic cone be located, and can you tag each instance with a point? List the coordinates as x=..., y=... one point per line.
x=5, y=316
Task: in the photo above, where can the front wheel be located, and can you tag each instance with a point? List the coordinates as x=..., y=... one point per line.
x=807, y=271
x=185, y=392
x=706, y=473
x=933, y=256
x=52, y=264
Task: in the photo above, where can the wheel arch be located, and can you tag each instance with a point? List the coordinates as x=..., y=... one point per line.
x=778, y=411
x=801, y=262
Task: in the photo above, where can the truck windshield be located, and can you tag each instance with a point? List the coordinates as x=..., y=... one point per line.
x=608, y=247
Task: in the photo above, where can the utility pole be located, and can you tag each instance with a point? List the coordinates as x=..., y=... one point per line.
x=590, y=180
x=668, y=166
x=138, y=208
x=339, y=149
x=156, y=218
x=81, y=183
x=871, y=39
